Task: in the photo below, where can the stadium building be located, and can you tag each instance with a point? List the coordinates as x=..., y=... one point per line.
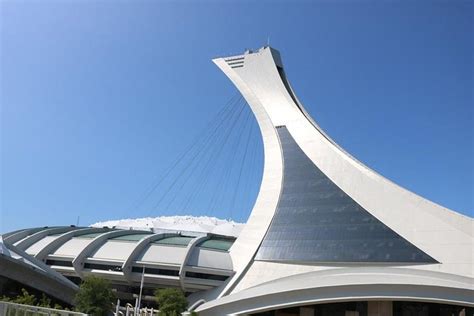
x=327, y=235
x=190, y=261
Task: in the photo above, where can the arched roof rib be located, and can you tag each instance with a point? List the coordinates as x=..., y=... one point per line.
x=190, y=248
x=18, y=235
x=56, y=243
x=79, y=260
x=7, y=235
x=139, y=248
x=23, y=268
x=31, y=239
x=167, y=257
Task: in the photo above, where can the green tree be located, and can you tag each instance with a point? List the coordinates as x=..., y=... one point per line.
x=95, y=296
x=25, y=298
x=44, y=301
x=172, y=302
x=57, y=306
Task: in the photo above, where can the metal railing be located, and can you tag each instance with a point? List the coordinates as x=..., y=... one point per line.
x=129, y=310
x=14, y=309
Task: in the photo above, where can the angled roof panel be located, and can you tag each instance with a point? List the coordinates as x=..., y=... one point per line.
x=72, y=247
x=37, y=246
x=156, y=253
x=114, y=250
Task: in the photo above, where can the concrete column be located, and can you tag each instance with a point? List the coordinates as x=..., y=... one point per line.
x=380, y=308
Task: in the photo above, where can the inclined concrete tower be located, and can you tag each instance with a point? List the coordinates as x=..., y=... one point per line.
x=325, y=227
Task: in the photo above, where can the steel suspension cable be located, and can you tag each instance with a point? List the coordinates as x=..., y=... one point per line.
x=183, y=171
x=241, y=168
x=195, y=162
x=207, y=172
x=227, y=175
x=224, y=178
x=159, y=180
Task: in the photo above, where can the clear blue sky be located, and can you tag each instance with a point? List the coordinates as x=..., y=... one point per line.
x=98, y=98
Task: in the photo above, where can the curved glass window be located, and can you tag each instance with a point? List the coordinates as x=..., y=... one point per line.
x=175, y=241
x=217, y=244
x=316, y=221
x=132, y=237
x=91, y=235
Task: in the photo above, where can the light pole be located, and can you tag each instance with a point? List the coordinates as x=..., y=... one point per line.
x=141, y=289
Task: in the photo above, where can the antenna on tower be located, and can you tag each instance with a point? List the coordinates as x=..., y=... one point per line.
x=268, y=41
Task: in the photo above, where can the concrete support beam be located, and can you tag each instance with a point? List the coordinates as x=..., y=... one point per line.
x=189, y=250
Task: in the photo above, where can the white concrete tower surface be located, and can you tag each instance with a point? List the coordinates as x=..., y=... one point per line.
x=325, y=228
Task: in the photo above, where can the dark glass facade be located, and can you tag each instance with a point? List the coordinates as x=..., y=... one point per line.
x=316, y=221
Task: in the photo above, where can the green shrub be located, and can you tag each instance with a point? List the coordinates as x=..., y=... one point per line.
x=25, y=298
x=44, y=301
